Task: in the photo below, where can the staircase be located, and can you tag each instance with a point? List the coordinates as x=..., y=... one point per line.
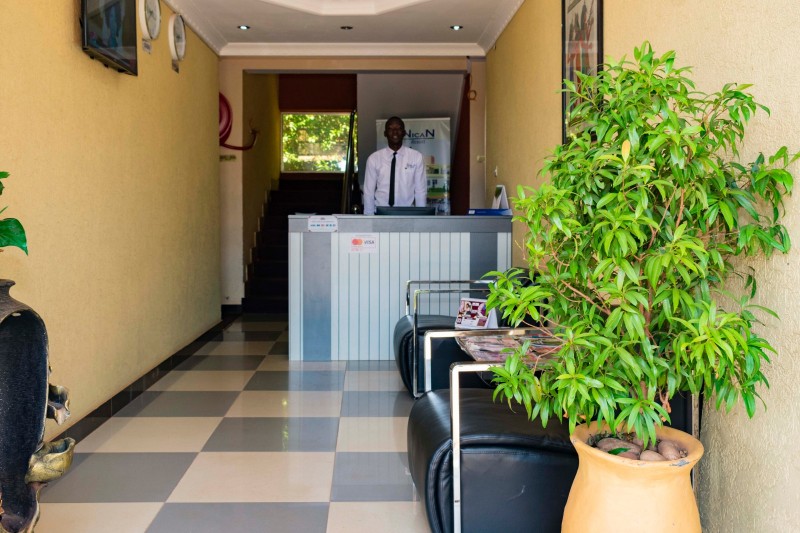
x=267, y=287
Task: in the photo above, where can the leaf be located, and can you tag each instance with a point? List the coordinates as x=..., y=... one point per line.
x=617, y=451
x=13, y=234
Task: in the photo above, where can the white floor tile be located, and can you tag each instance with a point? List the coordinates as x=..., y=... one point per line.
x=369, y=517
x=257, y=477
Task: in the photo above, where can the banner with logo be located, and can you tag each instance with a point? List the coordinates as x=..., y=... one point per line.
x=430, y=137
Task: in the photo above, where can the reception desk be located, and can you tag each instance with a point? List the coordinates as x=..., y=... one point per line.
x=347, y=275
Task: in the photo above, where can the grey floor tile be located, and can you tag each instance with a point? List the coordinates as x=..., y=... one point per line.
x=137, y=404
x=241, y=517
x=319, y=380
x=375, y=403
x=180, y=403
x=119, y=477
x=355, y=366
x=373, y=476
x=297, y=434
x=280, y=347
x=229, y=362
x=250, y=335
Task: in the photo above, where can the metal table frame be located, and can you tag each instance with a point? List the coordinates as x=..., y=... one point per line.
x=456, y=369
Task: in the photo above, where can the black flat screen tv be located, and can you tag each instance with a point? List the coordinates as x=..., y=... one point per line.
x=109, y=33
x=398, y=211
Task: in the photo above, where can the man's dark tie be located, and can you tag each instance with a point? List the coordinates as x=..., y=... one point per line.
x=391, y=179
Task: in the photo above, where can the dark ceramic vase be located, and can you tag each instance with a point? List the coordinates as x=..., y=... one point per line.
x=26, y=399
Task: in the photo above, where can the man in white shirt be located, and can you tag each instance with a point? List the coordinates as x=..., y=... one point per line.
x=395, y=176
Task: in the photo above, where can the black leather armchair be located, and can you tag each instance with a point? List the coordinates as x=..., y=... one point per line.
x=411, y=328
x=515, y=475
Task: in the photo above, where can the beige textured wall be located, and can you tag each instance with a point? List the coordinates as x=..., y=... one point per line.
x=477, y=135
x=231, y=79
x=115, y=180
x=523, y=120
x=261, y=166
x=750, y=476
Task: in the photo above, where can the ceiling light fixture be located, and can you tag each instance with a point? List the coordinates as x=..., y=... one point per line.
x=456, y=27
x=346, y=27
x=243, y=27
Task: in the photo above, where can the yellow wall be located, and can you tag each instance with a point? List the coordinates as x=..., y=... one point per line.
x=115, y=180
x=749, y=479
x=523, y=106
x=261, y=166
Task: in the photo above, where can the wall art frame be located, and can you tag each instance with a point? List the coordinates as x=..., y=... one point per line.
x=582, y=47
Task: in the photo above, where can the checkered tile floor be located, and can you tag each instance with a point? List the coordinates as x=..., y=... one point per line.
x=238, y=438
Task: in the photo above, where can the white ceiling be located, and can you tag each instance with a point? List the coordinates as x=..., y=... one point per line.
x=380, y=27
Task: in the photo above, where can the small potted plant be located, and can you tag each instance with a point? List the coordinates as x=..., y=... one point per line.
x=632, y=242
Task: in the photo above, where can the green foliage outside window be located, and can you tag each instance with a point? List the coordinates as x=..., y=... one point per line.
x=315, y=142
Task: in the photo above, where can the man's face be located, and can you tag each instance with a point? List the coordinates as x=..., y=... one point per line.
x=394, y=133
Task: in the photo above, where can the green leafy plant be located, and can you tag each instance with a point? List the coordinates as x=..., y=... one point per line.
x=631, y=244
x=11, y=231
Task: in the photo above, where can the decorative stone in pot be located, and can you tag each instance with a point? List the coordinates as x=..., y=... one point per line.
x=26, y=399
x=623, y=495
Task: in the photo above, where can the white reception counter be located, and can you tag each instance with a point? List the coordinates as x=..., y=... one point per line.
x=347, y=277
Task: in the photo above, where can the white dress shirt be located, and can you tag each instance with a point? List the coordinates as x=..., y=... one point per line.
x=411, y=183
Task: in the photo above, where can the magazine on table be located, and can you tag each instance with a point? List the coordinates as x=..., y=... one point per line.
x=472, y=315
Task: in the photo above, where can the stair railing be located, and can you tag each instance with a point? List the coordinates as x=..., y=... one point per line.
x=350, y=186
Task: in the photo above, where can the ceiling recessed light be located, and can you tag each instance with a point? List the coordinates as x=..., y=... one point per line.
x=346, y=27
x=456, y=27
x=243, y=27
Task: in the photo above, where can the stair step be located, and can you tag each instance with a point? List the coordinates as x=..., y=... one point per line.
x=293, y=208
x=265, y=304
x=267, y=285
x=269, y=267
x=304, y=196
x=268, y=237
x=273, y=251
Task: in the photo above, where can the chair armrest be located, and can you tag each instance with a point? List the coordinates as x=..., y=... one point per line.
x=455, y=429
x=411, y=282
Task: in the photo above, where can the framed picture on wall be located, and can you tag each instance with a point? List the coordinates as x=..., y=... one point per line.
x=582, y=46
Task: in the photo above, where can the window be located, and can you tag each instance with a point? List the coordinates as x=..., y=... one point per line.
x=315, y=142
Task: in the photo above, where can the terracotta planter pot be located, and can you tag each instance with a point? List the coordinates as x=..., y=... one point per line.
x=611, y=493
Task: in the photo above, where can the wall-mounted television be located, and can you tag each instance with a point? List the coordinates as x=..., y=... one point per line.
x=109, y=33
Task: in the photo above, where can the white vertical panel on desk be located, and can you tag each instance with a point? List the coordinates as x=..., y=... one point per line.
x=433, y=259
x=335, y=297
x=403, y=266
x=354, y=292
x=385, y=283
x=343, y=305
x=365, y=292
x=296, y=296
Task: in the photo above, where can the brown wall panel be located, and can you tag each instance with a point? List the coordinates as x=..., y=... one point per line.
x=317, y=92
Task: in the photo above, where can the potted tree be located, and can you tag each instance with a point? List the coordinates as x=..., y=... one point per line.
x=633, y=244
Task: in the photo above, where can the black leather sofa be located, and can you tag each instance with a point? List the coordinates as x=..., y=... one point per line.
x=515, y=474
